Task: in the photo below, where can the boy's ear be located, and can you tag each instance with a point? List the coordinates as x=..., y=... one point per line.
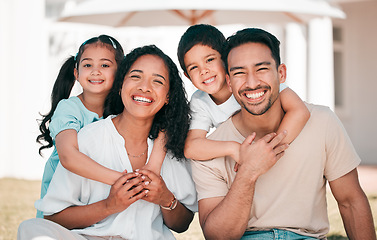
x=76, y=73
x=228, y=82
x=282, y=71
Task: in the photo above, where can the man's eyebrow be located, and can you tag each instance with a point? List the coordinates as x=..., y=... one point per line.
x=235, y=68
x=262, y=63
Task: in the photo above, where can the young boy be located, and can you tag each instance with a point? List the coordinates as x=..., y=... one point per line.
x=199, y=54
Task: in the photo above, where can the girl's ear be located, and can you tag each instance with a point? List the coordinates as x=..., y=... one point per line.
x=76, y=73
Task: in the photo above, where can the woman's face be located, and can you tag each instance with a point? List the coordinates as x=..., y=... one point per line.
x=145, y=87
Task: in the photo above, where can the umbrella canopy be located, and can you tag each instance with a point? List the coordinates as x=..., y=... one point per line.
x=118, y=13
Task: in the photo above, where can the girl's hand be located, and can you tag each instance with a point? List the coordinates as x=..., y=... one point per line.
x=124, y=192
x=156, y=190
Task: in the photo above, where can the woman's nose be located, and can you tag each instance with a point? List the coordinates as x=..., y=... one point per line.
x=145, y=86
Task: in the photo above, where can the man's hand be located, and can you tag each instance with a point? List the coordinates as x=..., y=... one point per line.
x=258, y=157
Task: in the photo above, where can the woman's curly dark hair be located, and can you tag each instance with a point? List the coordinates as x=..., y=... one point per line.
x=173, y=118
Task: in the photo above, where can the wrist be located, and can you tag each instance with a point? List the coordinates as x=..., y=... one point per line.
x=171, y=205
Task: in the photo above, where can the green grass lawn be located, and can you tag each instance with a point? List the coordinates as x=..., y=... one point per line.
x=17, y=204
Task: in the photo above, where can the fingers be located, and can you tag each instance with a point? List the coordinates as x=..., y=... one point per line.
x=148, y=173
x=269, y=137
x=278, y=138
x=123, y=179
x=249, y=139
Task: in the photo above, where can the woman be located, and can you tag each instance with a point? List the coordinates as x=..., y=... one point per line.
x=148, y=97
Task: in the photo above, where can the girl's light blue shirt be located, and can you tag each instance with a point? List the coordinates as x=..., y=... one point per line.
x=69, y=114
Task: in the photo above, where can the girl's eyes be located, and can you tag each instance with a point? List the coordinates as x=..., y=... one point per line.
x=105, y=65
x=87, y=65
x=192, y=68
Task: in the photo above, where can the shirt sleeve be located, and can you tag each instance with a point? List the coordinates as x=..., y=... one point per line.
x=66, y=116
x=199, y=115
x=209, y=180
x=341, y=154
x=177, y=176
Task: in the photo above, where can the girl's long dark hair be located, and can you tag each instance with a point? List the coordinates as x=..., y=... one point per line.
x=66, y=79
x=173, y=118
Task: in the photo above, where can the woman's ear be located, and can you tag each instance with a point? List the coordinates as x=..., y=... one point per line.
x=167, y=100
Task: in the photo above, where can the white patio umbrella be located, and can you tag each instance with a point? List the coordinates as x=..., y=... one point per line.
x=118, y=13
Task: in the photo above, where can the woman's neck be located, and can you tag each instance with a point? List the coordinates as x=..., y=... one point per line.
x=131, y=128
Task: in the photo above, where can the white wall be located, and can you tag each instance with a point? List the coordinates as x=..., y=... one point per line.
x=23, y=48
x=359, y=115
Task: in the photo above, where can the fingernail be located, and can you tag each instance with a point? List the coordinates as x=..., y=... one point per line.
x=146, y=183
x=143, y=177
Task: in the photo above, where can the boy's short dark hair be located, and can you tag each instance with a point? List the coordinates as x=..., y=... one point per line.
x=252, y=35
x=203, y=34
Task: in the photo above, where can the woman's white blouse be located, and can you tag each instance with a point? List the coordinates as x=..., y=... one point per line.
x=142, y=220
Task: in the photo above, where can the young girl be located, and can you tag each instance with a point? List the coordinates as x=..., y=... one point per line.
x=94, y=67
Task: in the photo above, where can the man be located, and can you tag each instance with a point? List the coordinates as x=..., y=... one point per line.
x=286, y=200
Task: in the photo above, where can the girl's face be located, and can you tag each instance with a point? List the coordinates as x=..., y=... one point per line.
x=96, y=69
x=145, y=87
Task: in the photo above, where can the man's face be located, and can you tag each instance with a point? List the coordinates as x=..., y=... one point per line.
x=253, y=77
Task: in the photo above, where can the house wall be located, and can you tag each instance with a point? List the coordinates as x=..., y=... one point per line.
x=359, y=111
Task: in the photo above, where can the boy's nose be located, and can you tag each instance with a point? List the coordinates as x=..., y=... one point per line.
x=204, y=70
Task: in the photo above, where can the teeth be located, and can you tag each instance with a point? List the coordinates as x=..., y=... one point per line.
x=142, y=99
x=209, y=80
x=254, y=95
x=98, y=81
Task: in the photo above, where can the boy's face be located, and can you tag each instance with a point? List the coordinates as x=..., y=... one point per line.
x=205, y=68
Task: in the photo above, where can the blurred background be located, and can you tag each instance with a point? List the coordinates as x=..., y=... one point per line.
x=329, y=48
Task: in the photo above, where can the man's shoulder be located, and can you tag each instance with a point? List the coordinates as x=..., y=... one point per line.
x=317, y=111
x=224, y=131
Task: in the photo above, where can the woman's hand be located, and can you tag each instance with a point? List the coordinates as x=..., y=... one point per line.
x=124, y=192
x=177, y=219
x=155, y=188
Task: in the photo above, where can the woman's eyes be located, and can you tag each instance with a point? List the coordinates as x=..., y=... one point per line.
x=160, y=82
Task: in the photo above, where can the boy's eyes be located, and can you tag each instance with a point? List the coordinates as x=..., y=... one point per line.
x=210, y=59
